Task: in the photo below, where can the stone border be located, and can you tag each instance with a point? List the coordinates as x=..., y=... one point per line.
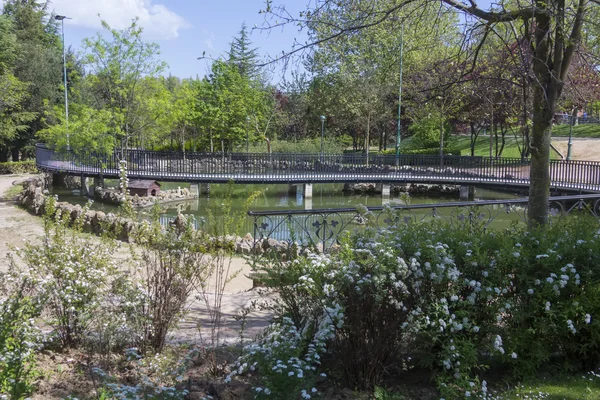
x=35, y=195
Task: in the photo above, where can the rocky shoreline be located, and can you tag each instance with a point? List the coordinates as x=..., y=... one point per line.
x=410, y=188
x=35, y=196
x=114, y=196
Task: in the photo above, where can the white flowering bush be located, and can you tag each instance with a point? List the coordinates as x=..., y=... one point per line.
x=67, y=275
x=157, y=377
x=452, y=298
x=19, y=340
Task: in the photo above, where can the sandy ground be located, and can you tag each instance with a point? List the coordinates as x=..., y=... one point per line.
x=17, y=226
x=583, y=148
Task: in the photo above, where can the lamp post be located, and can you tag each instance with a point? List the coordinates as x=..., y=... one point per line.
x=398, y=136
x=247, y=139
x=570, y=144
x=62, y=18
x=322, y=133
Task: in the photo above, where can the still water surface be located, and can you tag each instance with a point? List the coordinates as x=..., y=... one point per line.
x=233, y=201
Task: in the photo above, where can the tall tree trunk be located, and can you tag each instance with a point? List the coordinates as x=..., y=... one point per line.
x=539, y=175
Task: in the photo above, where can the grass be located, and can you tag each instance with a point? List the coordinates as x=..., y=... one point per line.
x=580, y=387
x=583, y=130
x=12, y=192
x=482, y=146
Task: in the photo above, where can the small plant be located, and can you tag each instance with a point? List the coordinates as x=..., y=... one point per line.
x=19, y=340
x=156, y=377
x=67, y=275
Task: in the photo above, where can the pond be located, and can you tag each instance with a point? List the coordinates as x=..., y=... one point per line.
x=233, y=202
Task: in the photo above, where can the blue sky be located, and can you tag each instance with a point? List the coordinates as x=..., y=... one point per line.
x=182, y=28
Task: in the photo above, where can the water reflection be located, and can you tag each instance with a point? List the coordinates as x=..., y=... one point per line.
x=228, y=202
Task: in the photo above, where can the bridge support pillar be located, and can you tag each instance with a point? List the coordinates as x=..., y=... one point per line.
x=308, y=189
x=308, y=203
x=292, y=190
x=466, y=192
x=86, y=188
x=205, y=189
x=195, y=189
x=385, y=190
x=98, y=182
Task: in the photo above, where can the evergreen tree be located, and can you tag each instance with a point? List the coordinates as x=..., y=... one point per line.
x=244, y=56
x=37, y=63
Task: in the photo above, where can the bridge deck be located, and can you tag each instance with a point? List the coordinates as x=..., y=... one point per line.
x=315, y=168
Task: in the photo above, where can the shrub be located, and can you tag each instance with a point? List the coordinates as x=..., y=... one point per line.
x=173, y=264
x=19, y=339
x=433, y=151
x=18, y=167
x=452, y=297
x=426, y=131
x=67, y=274
x=157, y=377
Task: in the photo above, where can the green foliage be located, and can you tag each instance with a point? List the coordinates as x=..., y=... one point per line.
x=426, y=131
x=67, y=274
x=454, y=297
x=89, y=130
x=330, y=146
x=19, y=167
x=14, y=118
x=433, y=151
x=35, y=63
x=158, y=377
x=19, y=339
x=581, y=130
x=229, y=107
x=119, y=66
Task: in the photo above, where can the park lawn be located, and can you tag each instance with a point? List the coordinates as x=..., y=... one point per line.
x=482, y=147
x=583, y=130
x=582, y=387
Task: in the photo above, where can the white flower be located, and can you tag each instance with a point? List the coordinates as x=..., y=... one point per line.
x=514, y=355
x=571, y=326
x=588, y=318
x=530, y=291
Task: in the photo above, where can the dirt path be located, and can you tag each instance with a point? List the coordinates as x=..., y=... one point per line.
x=583, y=148
x=17, y=226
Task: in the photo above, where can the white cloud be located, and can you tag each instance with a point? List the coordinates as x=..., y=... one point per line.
x=157, y=20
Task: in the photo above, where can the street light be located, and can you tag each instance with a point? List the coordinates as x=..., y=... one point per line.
x=398, y=137
x=322, y=133
x=572, y=119
x=247, y=140
x=62, y=18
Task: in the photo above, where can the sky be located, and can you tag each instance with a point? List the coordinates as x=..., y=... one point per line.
x=184, y=29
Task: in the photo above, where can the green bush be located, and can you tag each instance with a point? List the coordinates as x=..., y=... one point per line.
x=19, y=340
x=426, y=131
x=434, y=151
x=19, y=167
x=453, y=298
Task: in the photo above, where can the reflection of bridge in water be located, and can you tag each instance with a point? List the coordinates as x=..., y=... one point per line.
x=325, y=226
x=199, y=168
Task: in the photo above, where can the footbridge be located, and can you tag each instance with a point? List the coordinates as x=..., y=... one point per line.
x=206, y=168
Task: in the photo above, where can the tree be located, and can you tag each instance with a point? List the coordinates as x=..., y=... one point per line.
x=89, y=130
x=552, y=29
x=14, y=119
x=229, y=107
x=244, y=56
x=118, y=66
x=37, y=62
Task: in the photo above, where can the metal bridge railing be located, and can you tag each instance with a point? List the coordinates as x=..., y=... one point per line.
x=323, y=228
x=306, y=168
